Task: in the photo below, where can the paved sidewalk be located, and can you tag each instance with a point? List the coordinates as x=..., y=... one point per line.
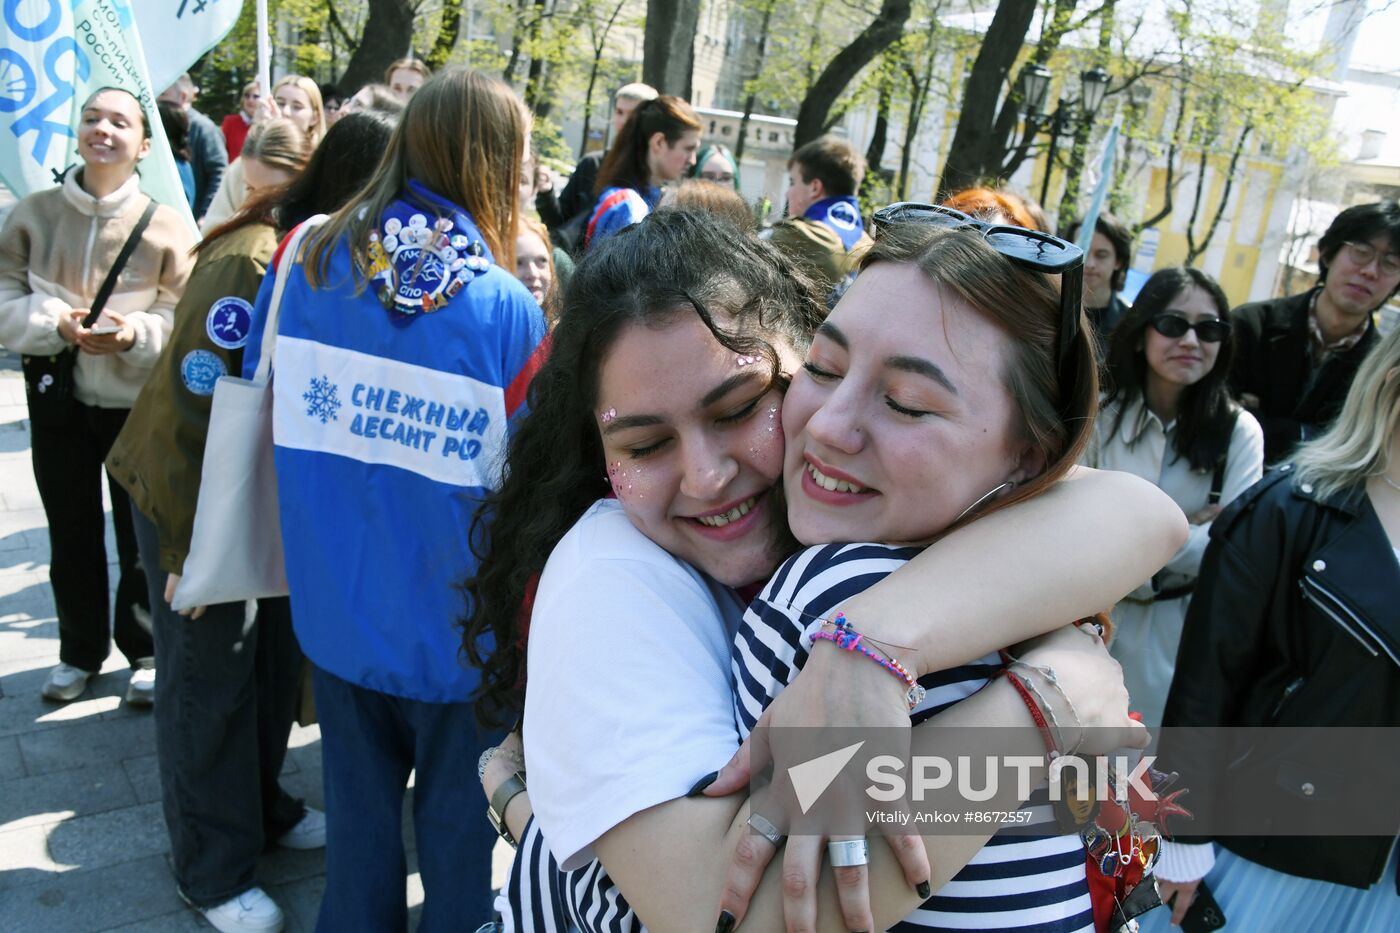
x=83, y=845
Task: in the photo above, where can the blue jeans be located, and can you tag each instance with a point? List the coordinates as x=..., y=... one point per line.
x=370, y=742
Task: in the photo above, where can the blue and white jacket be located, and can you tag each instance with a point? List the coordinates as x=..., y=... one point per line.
x=390, y=418
x=617, y=209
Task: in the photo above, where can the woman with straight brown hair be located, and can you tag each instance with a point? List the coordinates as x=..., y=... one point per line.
x=404, y=345
x=657, y=146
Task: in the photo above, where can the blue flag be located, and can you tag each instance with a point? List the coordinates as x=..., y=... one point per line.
x=1105, y=181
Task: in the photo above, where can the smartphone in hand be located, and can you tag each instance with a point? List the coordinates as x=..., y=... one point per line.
x=102, y=330
x=1204, y=915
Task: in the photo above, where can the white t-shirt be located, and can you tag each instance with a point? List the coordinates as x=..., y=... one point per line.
x=619, y=625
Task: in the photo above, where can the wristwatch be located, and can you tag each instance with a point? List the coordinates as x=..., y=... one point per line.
x=496, y=811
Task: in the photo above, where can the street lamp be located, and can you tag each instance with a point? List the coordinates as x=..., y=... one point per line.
x=1035, y=89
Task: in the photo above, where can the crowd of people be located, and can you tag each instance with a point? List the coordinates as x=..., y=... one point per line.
x=691, y=476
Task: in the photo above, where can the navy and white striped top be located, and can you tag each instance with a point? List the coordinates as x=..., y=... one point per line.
x=538, y=897
x=1026, y=883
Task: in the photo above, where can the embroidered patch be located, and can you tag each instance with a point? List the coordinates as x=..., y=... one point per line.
x=229, y=322
x=201, y=369
x=843, y=215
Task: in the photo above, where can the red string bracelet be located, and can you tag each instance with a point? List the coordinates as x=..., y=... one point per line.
x=1051, y=752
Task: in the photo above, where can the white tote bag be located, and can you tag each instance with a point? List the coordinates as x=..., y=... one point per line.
x=236, y=548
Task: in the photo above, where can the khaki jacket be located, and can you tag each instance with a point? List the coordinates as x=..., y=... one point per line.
x=159, y=456
x=57, y=247
x=817, y=249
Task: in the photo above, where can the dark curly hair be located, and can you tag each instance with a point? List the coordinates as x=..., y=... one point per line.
x=1206, y=415
x=673, y=263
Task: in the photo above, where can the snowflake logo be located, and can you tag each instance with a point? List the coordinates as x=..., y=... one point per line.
x=322, y=399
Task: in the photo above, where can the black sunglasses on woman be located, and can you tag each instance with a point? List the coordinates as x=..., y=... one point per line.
x=1210, y=330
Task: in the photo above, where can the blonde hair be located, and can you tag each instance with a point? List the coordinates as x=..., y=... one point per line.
x=1357, y=445
x=279, y=143
x=313, y=93
x=462, y=135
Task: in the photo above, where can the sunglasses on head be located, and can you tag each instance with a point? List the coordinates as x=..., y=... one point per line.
x=1210, y=330
x=1030, y=249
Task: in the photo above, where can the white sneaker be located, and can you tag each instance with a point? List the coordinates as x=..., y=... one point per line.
x=309, y=833
x=66, y=683
x=141, y=689
x=250, y=912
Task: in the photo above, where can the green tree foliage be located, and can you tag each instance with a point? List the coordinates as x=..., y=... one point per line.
x=1235, y=90
x=222, y=73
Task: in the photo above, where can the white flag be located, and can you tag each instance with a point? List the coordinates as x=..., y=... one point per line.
x=183, y=30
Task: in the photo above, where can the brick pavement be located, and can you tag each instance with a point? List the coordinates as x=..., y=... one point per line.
x=83, y=846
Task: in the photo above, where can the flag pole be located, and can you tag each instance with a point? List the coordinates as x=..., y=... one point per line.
x=264, y=51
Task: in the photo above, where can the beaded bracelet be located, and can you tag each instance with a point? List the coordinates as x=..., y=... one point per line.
x=848, y=639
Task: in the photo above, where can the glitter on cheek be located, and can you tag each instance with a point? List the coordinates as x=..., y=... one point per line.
x=766, y=448
x=628, y=482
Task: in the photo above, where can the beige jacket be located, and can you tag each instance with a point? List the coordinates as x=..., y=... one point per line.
x=232, y=192
x=56, y=248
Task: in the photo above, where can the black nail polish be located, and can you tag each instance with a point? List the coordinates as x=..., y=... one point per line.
x=696, y=791
x=726, y=919
x=925, y=889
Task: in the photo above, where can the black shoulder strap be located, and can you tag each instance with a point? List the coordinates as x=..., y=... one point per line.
x=1217, y=483
x=129, y=247
x=1217, y=479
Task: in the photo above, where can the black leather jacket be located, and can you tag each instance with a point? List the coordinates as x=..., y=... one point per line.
x=1273, y=362
x=1295, y=622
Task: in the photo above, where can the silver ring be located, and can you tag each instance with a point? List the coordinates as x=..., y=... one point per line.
x=847, y=853
x=759, y=824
